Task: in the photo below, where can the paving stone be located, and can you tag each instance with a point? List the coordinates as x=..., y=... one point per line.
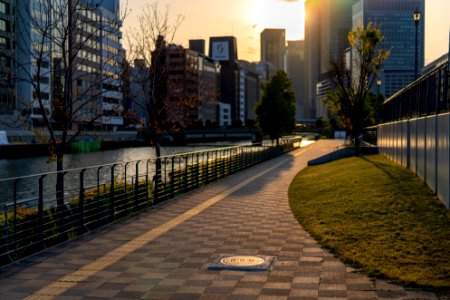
x=246, y=291
x=275, y=292
x=361, y=295
x=304, y=293
x=313, y=280
x=254, y=220
x=333, y=293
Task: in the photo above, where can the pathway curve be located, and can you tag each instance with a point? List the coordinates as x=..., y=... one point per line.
x=165, y=253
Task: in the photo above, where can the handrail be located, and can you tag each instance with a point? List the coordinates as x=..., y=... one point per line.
x=33, y=214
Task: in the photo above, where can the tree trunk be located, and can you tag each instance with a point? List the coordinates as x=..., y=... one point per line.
x=357, y=145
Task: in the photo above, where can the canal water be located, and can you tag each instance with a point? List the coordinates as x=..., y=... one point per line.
x=25, y=190
x=10, y=168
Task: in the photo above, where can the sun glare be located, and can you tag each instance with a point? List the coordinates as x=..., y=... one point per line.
x=287, y=14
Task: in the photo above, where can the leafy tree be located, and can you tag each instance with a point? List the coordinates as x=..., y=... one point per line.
x=276, y=110
x=352, y=101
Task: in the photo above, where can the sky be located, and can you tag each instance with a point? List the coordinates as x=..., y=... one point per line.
x=245, y=19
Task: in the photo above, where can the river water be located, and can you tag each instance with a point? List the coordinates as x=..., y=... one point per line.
x=10, y=168
x=25, y=189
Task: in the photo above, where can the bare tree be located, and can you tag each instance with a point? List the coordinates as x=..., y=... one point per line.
x=62, y=74
x=148, y=44
x=167, y=93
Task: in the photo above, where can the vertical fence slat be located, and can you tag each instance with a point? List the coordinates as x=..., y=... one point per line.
x=136, y=187
x=41, y=210
x=112, y=194
x=81, y=200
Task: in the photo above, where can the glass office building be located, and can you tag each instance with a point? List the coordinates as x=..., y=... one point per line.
x=395, y=19
x=7, y=101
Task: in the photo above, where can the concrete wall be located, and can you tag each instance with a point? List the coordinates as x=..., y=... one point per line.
x=423, y=146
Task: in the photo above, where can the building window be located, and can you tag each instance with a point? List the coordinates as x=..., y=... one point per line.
x=43, y=79
x=4, y=43
x=4, y=8
x=4, y=25
x=39, y=111
x=44, y=96
x=45, y=64
x=5, y=62
x=7, y=104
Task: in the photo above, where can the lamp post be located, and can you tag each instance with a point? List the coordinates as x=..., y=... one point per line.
x=416, y=17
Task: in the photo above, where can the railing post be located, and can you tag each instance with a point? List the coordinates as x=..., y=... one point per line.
x=136, y=187
x=98, y=182
x=207, y=168
x=172, y=178
x=165, y=177
x=15, y=211
x=198, y=172
x=229, y=161
x=146, y=172
x=223, y=162
x=81, y=200
x=156, y=180
x=111, y=194
x=215, y=165
x=186, y=160
x=4, y=247
x=41, y=210
x=125, y=177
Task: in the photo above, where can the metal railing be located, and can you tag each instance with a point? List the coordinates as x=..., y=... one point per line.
x=31, y=220
x=428, y=95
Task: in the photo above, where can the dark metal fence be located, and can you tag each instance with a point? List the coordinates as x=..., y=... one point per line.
x=30, y=220
x=428, y=95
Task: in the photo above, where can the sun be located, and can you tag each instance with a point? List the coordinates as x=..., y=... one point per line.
x=287, y=14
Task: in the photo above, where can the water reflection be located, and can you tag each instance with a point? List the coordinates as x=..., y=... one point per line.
x=10, y=168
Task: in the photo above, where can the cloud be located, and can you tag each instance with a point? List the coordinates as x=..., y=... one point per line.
x=288, y=0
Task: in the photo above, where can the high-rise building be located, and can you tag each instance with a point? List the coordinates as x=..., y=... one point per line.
x=326, y=30
x=33, y=63
x=295, y=59
x=197, y=45
x=208, y=84
x=395, y=19
x=208, y=89
x=111, y=63
x=249, y=91
x=273, y=47
x=224, y=50
x=82, y=58
x=7, y=99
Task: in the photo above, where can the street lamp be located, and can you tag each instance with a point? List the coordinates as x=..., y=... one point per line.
x=379, y=85
x=416, y=17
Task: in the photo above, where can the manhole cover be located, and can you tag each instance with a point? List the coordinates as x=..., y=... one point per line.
x=242, y=262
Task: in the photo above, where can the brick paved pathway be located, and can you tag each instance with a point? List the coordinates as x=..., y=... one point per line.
x=165, y=253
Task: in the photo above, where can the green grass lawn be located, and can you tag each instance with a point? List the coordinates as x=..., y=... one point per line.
x=378, y=217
